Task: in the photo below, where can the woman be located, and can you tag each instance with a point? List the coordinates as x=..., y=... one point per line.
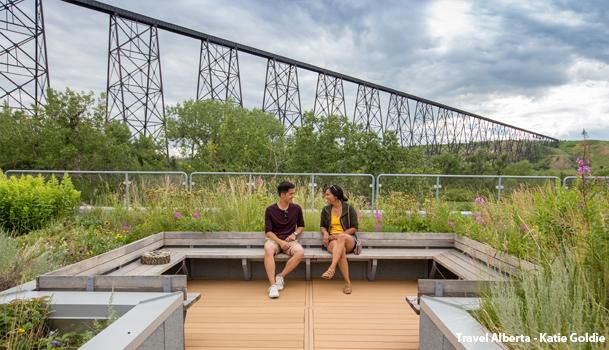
x=338, y=227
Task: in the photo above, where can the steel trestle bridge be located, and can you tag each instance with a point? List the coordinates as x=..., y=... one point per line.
x=135, y=85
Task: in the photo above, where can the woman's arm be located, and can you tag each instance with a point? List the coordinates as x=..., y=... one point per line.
x=325, y=235
x=351, y=231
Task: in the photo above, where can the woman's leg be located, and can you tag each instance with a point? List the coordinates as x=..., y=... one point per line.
x=337, y=251
x=332, y=248
x=343, y=264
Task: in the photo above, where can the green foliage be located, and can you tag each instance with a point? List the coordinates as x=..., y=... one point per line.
x=24, y=325
x=217, y=136
x=28, y=203
x=70, y=132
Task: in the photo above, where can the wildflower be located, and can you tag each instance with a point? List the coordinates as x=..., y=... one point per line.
x=451, y=223
x=177, y=215
x=480, y=200
x=360, y=214
x=479, y=219
x=20, y=330
x=523, y=227
x=378, y=216
x=56, y=343
x=82, y=249
x=126, y=228
x=259, y=181
x=583, y=167
x=197, y=215
x=118, y=236
x=106, y=222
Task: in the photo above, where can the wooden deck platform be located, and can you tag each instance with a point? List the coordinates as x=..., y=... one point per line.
x=308, y=315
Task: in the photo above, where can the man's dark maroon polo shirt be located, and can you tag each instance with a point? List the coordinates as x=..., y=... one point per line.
x=283, y=222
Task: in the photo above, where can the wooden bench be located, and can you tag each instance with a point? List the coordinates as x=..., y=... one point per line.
x=120, y=269
x=247, y=247
x=478, y=266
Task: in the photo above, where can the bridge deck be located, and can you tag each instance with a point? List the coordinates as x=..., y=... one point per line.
x=308, y=315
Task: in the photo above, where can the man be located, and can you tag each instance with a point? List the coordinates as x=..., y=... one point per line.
x=283, y=222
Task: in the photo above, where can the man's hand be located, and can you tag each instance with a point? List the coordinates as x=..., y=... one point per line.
x=291, y=238
x=284, y=245
x=333, y=237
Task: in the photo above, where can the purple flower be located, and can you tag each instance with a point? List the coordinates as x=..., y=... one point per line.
x=197, y=215
x=56, y=343
x=479, y=220
x=259, y=181
x=126, y=228
x=583, y=167
x=177, y=215
x=451, y=223
x=378, y=216
x=523, y=227
x=480, y=200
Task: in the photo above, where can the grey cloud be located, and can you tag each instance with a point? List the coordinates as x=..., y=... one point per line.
x=514, y=52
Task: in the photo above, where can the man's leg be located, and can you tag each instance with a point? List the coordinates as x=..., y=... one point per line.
x=297, y=253
x=270, y=249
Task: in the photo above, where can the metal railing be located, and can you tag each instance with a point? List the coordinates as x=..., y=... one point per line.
x=567, y=179
x=126, y=174
x=312, y=184
x=374, y=184
x=438, y=184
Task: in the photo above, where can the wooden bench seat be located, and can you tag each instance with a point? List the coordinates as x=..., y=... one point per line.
x=466, y=267
x=178, y=255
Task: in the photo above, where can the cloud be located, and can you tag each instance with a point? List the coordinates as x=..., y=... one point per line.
x=540, y=66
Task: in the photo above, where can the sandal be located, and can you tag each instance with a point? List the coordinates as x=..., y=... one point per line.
x=347, y=289
x=328, y=274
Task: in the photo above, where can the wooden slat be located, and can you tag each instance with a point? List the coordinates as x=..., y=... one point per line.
x=313, y=253
x=117, y=283
x=374, y=239
x=467, y=267
x=488, y=254
x=151, y=270
x=453, y=288
x=307, y=315
x=124, y=259
x=155, y=240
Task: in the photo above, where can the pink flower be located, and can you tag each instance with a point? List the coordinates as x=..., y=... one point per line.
x=126, y=228
x=177, y=215
x=523, y=227
x=360, y=214
x=583, y=167
x=378, y=216
x=479, y=220
x=197, y=215
x=259, y=181
x=451, y=223
x=480, y=200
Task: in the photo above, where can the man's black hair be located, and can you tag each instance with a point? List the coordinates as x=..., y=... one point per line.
x=284, y=187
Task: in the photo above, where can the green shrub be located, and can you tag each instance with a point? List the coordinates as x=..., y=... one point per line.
x=28, y=203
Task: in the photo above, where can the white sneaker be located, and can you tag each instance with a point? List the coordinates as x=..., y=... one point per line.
x=273, y=292
x=279, y=282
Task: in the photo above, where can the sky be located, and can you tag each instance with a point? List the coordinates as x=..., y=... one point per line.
x=541, y=66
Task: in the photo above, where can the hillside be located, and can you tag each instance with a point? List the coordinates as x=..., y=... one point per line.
x=562, y=160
